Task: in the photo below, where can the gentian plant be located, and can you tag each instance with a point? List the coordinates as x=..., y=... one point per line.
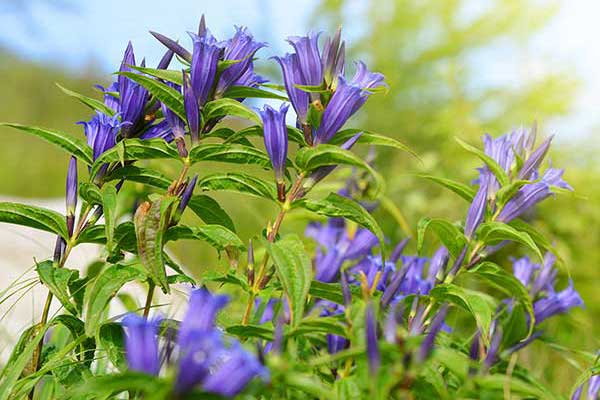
x=340, y=313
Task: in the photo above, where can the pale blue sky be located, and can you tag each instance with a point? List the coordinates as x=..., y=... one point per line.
x=97, y=31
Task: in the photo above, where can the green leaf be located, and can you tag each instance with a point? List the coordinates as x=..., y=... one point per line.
x=166, y=94
x=110, y=339
x=217, y=236
x=90, y=193
x=146, y=176
x=318, y=325
x=448, y=233
x=72, y=145
x=102, y=289
x=238, y=182
x=108, y=386
x=229, y=153
x=294, y=270
x=476, y=303
x=507, y=283
x=34, y=217
x=88, y=101
x=109, y=207
x=507, y=192
x=536, y=235
x=495, y=232
x=498, y=382
x=372, y=138
x=164, y=74
x=151, y=222
x=135, y=149
x=76, y=328
x=335, y=205
x=327, y=291
x=496, y=169
x=222, y=107
x=240, y=92
x=310, y=158
x=464, y=191
x=210, y=211
x=245, y=331
x=57, y=281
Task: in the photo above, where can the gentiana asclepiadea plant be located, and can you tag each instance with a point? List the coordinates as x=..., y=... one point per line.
x=357, y=317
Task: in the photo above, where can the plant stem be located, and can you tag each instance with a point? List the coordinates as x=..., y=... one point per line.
x=149, y=296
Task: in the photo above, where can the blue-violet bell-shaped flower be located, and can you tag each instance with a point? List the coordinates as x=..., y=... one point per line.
x=276, y=143
x=141, y=344
x=203, y=70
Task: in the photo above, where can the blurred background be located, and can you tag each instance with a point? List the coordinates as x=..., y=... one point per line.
x=456, y=68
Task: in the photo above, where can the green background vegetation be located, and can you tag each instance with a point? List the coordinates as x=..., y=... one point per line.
x=423, y=48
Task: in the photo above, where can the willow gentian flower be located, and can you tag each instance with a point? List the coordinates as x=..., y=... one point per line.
x=202, y=311
x=478, y=206
x=203, y=70
x=187, y=195
x=292, y=76
x=276, y=143
x=192, y=112
x=173, y=46
x=346, y=100
x=241, y=48
x=101, y=132
x=71, y=196
x=436, y=325
x=373, y=356
x=141, y=344
x=556, y=303
x=492, y=352
x=335, y=343
x=533, y=162
x=161, y=130
x=533, y=193
x=132, y=96
x=333, y=59
x=309, y=59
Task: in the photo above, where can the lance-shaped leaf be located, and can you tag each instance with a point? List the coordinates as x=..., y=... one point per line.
x=371, y=138
x=480, y=306
x=57, y=281
x=72, y=145
x=109, y=208
x=34, y=217
x=495, y=232
x=238, y=182
x=76, y=328
x=110, y=339
x=151, y=222
x=310, y=158
x=294, y=134
x=496, y=169
x=164, y=74
x=223, y=107
x=240, y=92
x=449, y=234
x=90, y=193
x=146, y=176
x=166, y=94
x=136, y=149
x=294, y=270
x=229, y=153
x=507, y=283
x=217, y=236
x=99, y=292
x=335, y=205
x=94, y=104
x=464, y=191
x=210, y=211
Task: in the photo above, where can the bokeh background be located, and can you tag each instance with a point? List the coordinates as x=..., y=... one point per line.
x=456, y=68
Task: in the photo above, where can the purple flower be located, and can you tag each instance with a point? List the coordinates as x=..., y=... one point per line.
x=309, y=59
x=335, y=343
x=436, y=325
x=187, y=194
x=72, y=183
x=292, y=76
x=556, y=303
x=333, y=59
x=533, y=193
x=190, y=102
x=594, y=387
x=492, y=353
x=101, y=132
x=346, y=100
x=276, y=139
x=240, y=48
x=397, y=252
x=202, y=311
x=373, y=355
x=173, y=46
x=437, y=264
x=232, y=372
x=141, y=344
x=205, y=58
x=132, y=96
x=202, y=350
x=533, y=162
x=161, y=130
x=477, y=209
x=175, y=123
x=110, y=100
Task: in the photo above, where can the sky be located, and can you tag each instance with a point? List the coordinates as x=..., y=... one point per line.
x=93, y=31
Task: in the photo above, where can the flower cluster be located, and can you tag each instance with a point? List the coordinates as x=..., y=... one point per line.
x=200, y=353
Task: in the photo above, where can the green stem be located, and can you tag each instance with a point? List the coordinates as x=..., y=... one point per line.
x=149, y=296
